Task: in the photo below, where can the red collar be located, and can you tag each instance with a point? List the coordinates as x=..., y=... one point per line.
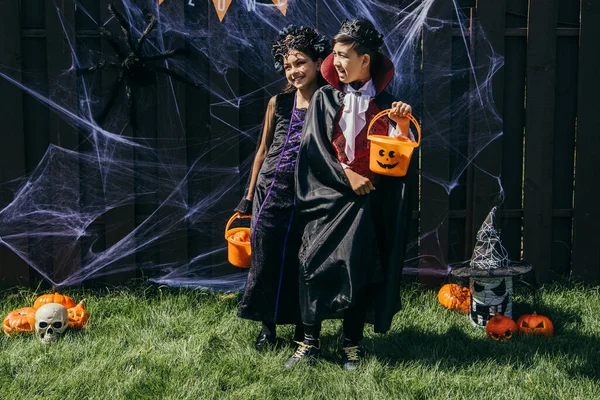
x=381, y=77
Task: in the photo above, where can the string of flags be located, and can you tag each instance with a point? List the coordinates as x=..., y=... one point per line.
x=221, y=6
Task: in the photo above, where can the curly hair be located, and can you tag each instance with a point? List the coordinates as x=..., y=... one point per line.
x=304, y=39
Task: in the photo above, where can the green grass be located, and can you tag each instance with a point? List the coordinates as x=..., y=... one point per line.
x=155, y=343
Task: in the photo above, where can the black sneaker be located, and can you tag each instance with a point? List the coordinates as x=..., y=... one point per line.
x=306, y=350
x=264, y=340
x=352, y=354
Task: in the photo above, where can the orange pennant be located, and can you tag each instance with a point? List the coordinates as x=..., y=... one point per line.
x=160, y=2
x=281, y=5
x=221, y=6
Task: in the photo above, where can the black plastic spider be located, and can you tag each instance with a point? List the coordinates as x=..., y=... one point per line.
x=135, y=69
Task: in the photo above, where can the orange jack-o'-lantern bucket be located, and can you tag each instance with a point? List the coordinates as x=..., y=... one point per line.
x=391, y=155
x=238, y=246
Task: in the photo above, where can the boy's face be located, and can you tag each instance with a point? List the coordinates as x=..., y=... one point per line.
x=300, y=70
x=348, y=64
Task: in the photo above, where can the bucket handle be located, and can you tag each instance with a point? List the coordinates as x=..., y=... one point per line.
x=233, y=218
x=409, y=116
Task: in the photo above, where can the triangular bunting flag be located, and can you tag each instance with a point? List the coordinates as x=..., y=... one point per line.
x=160, y=2
x=281, y=5
x=221, y=6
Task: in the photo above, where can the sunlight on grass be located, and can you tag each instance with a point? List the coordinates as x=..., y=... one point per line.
x=155, y=342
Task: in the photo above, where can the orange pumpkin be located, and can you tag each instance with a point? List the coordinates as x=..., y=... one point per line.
x=455, y=297
x=501, y=328
x=58, y=298
x=532, y=324
x=21, y=320
x=78, y=316
x=241, y=236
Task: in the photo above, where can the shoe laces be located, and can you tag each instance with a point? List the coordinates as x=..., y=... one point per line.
x=352, y=353
x=302, y=350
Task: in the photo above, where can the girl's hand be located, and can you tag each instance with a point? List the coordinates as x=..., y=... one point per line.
x=398, y=114
x=359, y=183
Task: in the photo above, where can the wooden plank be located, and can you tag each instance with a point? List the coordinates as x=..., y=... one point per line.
x=35, y=130
x=12, y=152
x=121, y=220
x=485, y=189
x=32, y=15
x=461, y=82
x=414, y=169
x=541, y=75
x=59, y=59
x=224, y=141
x=586, y=252
x=437, y=64
x=197, y=101
x=564, y=140
x=512, y=143
x=171, y=135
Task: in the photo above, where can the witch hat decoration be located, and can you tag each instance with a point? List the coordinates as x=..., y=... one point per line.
x=490, y=258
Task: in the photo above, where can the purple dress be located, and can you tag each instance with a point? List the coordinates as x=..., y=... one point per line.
x=271, y=293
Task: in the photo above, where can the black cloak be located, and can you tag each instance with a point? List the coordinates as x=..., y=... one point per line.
x=352, y=245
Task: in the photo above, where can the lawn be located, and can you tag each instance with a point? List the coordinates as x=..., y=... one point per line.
x=150, y=342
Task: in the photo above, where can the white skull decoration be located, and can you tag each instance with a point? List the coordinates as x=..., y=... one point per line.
x=51, y=321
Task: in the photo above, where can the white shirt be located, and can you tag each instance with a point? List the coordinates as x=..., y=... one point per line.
x=353, y=118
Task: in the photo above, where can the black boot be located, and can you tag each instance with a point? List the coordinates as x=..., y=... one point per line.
x=267, y=337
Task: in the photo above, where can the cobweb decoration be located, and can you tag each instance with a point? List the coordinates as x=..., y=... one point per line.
x=250, y=5
x=489, y=252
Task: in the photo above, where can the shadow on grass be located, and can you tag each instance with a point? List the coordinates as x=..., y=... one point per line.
x=570, y=351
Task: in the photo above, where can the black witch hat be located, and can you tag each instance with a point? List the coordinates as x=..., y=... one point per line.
x=490, y=258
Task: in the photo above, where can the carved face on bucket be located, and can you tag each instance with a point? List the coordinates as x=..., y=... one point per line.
x=388, y=158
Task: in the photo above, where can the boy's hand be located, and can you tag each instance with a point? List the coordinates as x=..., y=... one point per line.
x=398, y=114
x=359, y=183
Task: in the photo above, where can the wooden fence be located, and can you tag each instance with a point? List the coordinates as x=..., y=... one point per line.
x=546, y=94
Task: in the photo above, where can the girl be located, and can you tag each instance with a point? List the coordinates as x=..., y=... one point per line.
x=271, y=293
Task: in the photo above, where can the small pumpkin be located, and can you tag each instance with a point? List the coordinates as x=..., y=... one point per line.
x=455, y=297
x=58, y=298
x=532, y=324
x=241, y=236
x=501, y=328
x=21, y=320
x=78, y=317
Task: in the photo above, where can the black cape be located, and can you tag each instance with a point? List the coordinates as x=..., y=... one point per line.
x=351, y=244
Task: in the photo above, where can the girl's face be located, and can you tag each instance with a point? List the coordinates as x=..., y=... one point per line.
x=300, y=70
x=349, y=65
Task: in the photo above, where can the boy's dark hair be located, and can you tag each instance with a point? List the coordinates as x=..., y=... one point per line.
x=363, y=38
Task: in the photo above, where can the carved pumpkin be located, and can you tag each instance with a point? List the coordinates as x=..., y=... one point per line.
x=78, y=316
x=532, y=324
x=21, y=320
x=58, y=298
x=455, y=297
x=501, y=328
x=241, y=236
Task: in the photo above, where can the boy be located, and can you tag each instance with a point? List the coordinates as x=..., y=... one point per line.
x=355, y=222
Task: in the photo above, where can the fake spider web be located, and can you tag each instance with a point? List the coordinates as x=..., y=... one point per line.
x=489, y=253
x=173, y=172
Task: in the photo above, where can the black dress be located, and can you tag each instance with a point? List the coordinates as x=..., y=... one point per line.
x=271, y=293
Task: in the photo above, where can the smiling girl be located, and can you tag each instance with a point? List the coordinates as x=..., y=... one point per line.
x=271, y=293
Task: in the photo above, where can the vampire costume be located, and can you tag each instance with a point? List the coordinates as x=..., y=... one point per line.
x=353, y=246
